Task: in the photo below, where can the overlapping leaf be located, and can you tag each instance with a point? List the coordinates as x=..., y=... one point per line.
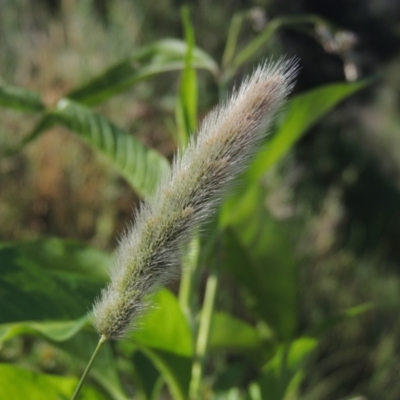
x=162, y=56
x=302, y=112
x=141, y=166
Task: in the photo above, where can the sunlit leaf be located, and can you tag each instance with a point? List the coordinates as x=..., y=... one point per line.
x=20, y=383
x=229, y=333
x=55, y=331
x=164, y=336
x=165, y=327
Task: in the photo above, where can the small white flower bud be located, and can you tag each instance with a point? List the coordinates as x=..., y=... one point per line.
x=148, y=255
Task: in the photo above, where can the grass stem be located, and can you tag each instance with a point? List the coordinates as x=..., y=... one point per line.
x=203, y=335
x=88, y=366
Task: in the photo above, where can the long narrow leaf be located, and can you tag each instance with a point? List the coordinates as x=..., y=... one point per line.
x=19, y=99
x=142, y=167
x=162, y=56
x=232, y=38
x=186, y=108
x=301, y=114
x=252, y=48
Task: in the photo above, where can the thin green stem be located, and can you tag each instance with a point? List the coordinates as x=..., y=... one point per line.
x=203, y=335
x=88, y=366
x=189, y=265
x=185, y=291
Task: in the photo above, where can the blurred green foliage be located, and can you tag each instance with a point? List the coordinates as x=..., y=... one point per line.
x=269, y=289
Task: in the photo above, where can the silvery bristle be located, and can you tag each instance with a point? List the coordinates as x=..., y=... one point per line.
x=148, y=254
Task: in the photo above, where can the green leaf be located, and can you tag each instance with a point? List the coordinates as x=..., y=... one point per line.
x=165, y=327
x=302, y=112
x=165, y=337
x=186, y=108
x=142, y=167
x=49, y=280
x=55, y=331
x=229, y=333
x=20, y=99
x=282, y=375
x=232, y=38
x=260, y=260
x=251, y=49
x=20, y=383
x=67, y=255
x=162, y=56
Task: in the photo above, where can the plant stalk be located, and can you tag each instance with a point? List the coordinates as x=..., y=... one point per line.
x=88, y=366
x=203, y=335
x=189, y=266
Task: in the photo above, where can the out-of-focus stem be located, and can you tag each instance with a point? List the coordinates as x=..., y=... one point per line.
x=88, y=366
x=186, y=289
x=203, y=335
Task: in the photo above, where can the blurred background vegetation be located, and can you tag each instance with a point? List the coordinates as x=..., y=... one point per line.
x=336, y=195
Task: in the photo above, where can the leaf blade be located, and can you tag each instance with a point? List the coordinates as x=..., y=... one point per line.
x=160, y=57
x=302, y=113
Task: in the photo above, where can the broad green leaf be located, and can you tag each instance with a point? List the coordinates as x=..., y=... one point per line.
x=104, y=369
x=67, y=255
x=186, y=108
x=55, y=331
x=162, y=56
x=20, y=99
x=165, y=337
x=49, y=280
x=301, y=113
x=165, y=327
x=229, y=333
x=19, y=383
x=142, y=167
x=282, y=375
x=260, y=260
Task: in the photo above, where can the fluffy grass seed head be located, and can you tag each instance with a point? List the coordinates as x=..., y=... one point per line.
x=148, y=255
